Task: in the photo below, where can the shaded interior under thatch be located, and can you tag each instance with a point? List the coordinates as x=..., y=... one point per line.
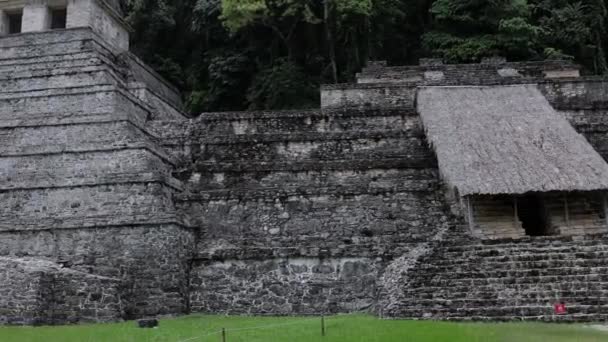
x=507, y=140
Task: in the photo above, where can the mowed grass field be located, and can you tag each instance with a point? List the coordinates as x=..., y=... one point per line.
x=302, y=329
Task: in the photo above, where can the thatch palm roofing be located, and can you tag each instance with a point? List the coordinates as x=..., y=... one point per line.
x=506, y=140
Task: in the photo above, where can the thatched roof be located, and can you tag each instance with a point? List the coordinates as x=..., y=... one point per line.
x=507, y=140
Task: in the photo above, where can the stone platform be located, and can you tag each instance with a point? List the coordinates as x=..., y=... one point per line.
x=339, y=209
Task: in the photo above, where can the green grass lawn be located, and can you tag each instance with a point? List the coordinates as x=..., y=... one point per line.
x=338, y=329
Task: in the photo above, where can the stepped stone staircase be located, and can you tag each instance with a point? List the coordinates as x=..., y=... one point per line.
x=289, y=199
x=314, y=202
x=465, y=279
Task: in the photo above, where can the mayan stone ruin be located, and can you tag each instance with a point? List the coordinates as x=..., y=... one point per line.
x=434, y=191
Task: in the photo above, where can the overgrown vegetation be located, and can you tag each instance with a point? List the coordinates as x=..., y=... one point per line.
x=260, y=54
x=305, y=329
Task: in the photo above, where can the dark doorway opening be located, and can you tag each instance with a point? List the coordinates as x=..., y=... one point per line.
x=14, y=22
x=58, y=18
x=532, y=214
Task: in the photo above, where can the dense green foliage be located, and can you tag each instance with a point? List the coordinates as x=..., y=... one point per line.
x=260, y=54
x=305, y=329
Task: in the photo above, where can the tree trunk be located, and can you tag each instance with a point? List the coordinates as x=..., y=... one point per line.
x=331, y=46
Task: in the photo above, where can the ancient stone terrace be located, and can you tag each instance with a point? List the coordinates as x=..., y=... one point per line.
x=506, y=279
x=102, y=16
x=106, y=183
x=84, y=184
x=303, y=208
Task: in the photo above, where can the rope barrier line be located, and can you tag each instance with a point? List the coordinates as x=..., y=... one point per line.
x=271, y=325
x=264, y=327
x=201, y=336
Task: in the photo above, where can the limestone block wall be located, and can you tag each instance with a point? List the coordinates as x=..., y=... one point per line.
x=583, y=103
x=249, y=212
x=300, y=211
x=284, y=286
x=102, y=18
x=84, y=182
x=36, y=292
x=384, y=95
x=145, y=78
x=489, y=70
x=36, y=16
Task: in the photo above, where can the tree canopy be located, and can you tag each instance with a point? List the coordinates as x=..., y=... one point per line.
x=273, y=54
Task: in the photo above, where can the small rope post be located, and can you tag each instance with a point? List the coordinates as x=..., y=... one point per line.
x=223, y=334
x=323, y=326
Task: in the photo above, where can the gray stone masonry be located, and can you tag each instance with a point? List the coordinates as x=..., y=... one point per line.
x=34, y=291
x=339, y=209
x=103, y=180
x=84, y=183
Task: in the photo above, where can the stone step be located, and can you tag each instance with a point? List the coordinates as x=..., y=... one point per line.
x=303, y=190
x=12, y=53
x=102, y=167
x=255, y=125
x=439, y=303
x=328, y=113
x=292, y=152
x=299, y=136
x=509, y=279
x=523, y=255
x=517, y=311
x=62, y=78
x=511, y=293
x=532, y=241
x=34, y=74
x=48, y=37
x=516, y=287
x=488, y=273
x=524, y=258
x=584, y=280
x=526, y=247
x=8, y=66
x=409, y=162
x=434, y=282
x=388, y=179
x=593, y=260
x=576, y=318
x=564, y=255
x=26, y=46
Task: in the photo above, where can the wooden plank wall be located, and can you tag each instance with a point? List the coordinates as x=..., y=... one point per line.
x=576, y=213
x=494, y=218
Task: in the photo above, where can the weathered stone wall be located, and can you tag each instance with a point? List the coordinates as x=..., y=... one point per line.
x=489, y=70
x=150, y=260
x=467, y=279
x=34, y=291
x=101, y=18
x=86, y=183
x=583, y=103
x=385, y=95
x=285, y=286
x=300, y=211
x=251, y=212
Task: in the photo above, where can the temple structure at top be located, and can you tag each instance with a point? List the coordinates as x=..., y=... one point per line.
x=103, y=16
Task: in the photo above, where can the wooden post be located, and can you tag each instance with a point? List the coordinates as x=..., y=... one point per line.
x=323, y=326
x=605, y=207
x=470, y=214
x=223, y=334
x=566, y=211
x=515, y=213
